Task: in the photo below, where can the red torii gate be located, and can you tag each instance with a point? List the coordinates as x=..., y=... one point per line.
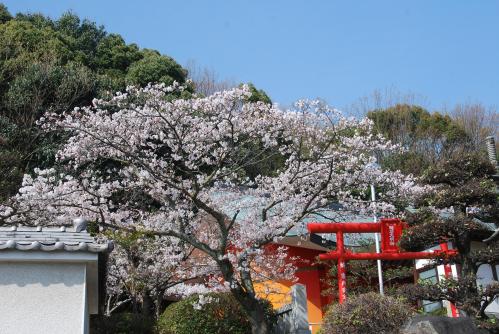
x=391, y=230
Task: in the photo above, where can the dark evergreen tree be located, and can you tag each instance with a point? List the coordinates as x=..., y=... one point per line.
x=461, y=207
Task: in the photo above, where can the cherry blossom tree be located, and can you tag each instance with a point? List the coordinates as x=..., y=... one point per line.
x=221, y=174
x=144, y=269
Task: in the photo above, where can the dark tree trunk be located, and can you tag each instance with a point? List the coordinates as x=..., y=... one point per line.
x=147, y=304
x=463, y=245
x=255, y=311
x=157, y=305
x=469, y=269
x=244, y=294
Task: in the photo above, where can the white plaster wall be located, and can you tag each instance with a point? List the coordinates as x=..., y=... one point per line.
x=42, y=298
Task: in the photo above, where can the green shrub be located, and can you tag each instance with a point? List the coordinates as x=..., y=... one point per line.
x=220, y=316
x=122, y=323
x=368, y=313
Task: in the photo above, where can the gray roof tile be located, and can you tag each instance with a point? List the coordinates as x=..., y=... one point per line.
x=50, y=239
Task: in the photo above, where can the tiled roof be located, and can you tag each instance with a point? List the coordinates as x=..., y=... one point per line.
x=71, y=239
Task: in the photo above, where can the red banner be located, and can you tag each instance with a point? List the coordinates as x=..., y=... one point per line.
x=391, y=231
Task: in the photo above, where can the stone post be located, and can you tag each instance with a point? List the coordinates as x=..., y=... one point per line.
x=300, y=312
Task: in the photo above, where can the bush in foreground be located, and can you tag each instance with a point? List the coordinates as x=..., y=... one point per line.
x=222, y=314
x=368, y=313
x=122, y=323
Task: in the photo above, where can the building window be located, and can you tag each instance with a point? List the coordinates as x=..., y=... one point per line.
x=430, y=275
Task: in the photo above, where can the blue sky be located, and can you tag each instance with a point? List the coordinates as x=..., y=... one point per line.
x=446, y=51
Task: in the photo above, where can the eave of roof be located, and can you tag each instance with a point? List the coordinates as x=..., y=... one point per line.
x=50, y=239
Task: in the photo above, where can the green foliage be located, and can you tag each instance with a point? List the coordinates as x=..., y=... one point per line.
x=82, y=37
x=113, y=53
x=464, y=183
x=122, y=323
x=459, y=169
x=258, y=95
x=56, y=65
x=4, y=14
x=408, y=124
x=21, y=44
x=222, y=315
x=409, y=162
x=440, y=312
x=363, y=278
x=368, y=313
x=427, y=136
x=10, y=159
x=45, y=87
x=154, y=67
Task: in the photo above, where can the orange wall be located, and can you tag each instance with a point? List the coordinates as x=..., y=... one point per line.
x=277, y=293
x=308, y=274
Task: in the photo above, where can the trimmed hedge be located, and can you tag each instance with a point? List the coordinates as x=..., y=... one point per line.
x=122, y=323
x=220, y=316
x=368, y=313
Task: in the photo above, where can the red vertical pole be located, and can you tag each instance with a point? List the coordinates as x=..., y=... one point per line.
x=448, y=274
x=342, y=280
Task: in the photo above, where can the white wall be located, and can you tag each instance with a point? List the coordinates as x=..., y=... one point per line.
x=42, y=298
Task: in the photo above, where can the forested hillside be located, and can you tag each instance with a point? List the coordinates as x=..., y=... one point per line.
x=432, y=137
x=54, y=65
